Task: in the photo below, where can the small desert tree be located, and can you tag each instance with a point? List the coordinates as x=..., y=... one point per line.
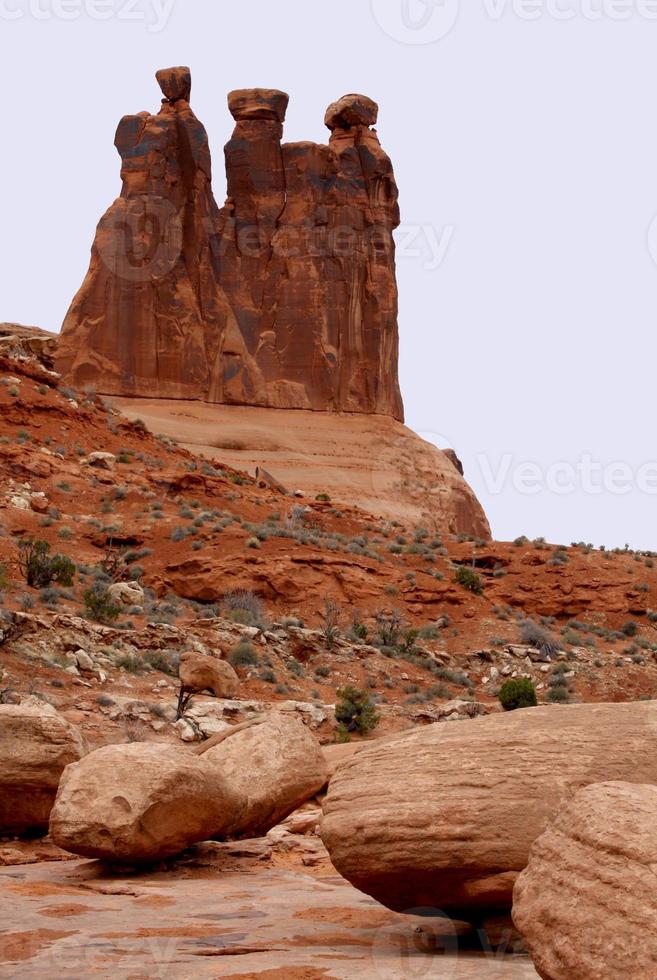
x=355, y=712
x=40, y=568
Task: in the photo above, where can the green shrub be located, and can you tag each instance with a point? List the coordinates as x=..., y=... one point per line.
x=519, y=693
x=355, y=711
x=99, y=604
x=40, y=568
x=559, y=695
x=468, y=578
x=244, y=655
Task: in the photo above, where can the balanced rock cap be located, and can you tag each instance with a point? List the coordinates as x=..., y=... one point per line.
x=176, y=83
x=258, y=103
x=351, y=110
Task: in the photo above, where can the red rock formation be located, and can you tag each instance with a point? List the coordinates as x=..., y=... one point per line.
x=285, y=298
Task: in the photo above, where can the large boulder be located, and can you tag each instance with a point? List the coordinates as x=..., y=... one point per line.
x=445, y=818
x=273, y=766
x=199, y=672
x=144, y=802
x=140, y=802
x=36, y=744
x=587, y=902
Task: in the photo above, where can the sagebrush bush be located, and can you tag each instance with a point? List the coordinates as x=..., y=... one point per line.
x=519, y=693
x=243, y=607
x=244, y=655
x=536, y=636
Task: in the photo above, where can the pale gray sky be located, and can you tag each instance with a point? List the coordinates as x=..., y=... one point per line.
x=524, y=139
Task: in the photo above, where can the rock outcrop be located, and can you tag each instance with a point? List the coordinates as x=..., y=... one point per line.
x=371, y=461
x=139, y=802
x=285, y=298
x=199, y=673
x=143, y=802
x=587, y=902
x=445, y=818
x=273, y=767
x=35, y=747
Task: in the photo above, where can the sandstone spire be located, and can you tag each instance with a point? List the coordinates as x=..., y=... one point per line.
x=284, y=298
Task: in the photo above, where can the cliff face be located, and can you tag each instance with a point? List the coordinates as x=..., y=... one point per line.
x=286, y=298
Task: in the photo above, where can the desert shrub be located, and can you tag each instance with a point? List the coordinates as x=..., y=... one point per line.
x=244, y=655
x=388, y=628
x=40, y=568
x=243, y=607
x=322, y=671
x=559, y=694
x=130, y=662
x=99, y=605
x=468, y=578
x=355, y=711
x=536, y=636
x=4, y=579
x=358, y=630
x=519, y=693
x=179, y=533
x=268, y=676
x=331, y=616
x=630, y=628
x=456, y=677
x=166, y=661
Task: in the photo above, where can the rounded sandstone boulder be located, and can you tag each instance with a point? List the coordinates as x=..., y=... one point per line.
x=445, y=818
x=139, y=802
x=273, y=767
x=35, y=747
x=199, y=672
x=587, y=902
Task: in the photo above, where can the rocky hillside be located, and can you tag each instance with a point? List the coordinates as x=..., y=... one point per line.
x=173, y=553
